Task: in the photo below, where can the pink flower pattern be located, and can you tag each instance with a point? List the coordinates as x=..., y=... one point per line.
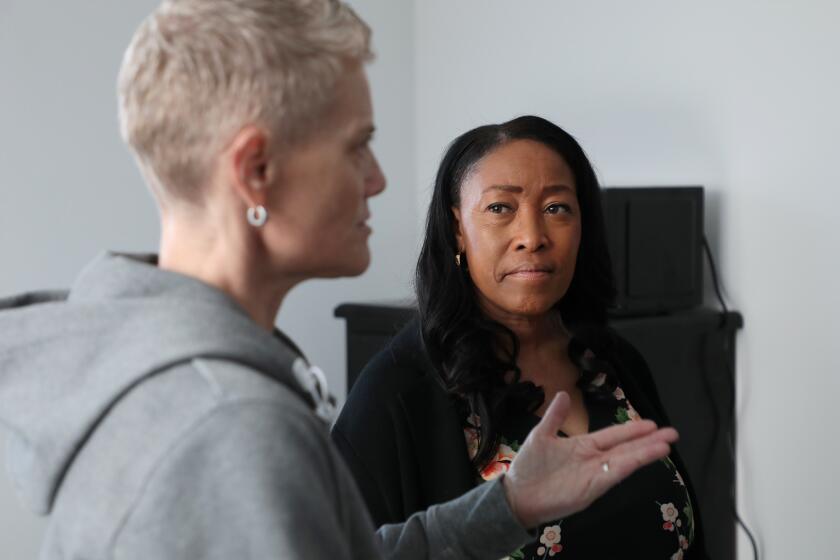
x=672, y=519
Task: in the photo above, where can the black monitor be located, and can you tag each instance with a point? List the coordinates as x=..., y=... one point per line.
x=655, y=237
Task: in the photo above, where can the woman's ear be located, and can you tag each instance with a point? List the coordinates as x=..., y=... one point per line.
x=249, y=158
x=459, y=232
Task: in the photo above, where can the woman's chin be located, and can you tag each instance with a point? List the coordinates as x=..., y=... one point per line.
x=528, y=309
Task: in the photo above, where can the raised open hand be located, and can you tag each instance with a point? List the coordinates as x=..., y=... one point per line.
x=553, y=477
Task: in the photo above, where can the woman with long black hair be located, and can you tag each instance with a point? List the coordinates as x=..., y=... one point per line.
x=513, y=283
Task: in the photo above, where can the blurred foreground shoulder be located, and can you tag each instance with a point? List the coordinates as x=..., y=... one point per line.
x=255, y=476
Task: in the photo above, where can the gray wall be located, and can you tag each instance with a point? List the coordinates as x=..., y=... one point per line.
x=69, y=189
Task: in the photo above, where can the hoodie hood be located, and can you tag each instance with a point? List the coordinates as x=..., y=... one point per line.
x=67, y=357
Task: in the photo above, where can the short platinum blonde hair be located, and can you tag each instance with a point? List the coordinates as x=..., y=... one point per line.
x=197, y=71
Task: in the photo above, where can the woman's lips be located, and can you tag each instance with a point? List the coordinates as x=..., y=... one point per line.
x=530, y=272
x=363, y=225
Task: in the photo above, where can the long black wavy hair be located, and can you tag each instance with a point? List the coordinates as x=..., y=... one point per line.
x=468, y=350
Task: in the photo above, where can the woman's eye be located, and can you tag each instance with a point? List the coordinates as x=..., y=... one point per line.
x=498, y=208
x=558, y=209
x=361, y=152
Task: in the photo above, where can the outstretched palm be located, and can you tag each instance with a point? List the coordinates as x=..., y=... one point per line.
x=553, y=477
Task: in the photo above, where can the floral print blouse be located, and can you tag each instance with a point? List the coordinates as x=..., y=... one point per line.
x=649, y=515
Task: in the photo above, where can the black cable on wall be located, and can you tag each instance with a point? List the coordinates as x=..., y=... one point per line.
x=730, y=430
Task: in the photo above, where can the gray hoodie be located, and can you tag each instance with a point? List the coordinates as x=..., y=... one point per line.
x=150, y=417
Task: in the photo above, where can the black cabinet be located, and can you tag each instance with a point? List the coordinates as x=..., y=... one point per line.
x=692, y=357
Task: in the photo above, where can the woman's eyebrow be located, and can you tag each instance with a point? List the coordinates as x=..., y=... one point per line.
x=517, y=189
x=367, y=131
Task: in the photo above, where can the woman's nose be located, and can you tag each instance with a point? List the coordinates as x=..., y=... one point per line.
x=375, y=179
x=530, y=232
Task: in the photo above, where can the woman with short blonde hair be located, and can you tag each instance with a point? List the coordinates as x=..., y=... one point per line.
x=154, y=409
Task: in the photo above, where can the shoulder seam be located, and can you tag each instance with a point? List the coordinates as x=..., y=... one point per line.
x=207, y=375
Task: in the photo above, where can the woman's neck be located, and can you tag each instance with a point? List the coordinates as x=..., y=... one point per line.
x=542, y=342
x=224, y=264
x=532, y=331
x=535, y=334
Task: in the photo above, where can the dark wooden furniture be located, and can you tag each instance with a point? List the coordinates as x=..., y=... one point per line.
x=692, y=357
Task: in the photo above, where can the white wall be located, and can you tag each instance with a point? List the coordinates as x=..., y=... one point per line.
x=738, y=96
x=68, y=188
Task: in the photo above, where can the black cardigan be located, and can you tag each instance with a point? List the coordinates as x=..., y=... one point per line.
x=400, y=434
